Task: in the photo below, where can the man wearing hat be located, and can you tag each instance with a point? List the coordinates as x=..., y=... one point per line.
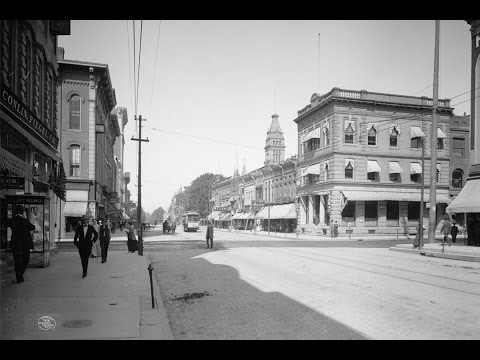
x=83, y=241
x=21, y=242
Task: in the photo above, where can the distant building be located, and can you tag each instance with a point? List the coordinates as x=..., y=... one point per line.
x=89, y=132
x=360, y=161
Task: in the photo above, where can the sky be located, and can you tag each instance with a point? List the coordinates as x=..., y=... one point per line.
x=208, y=88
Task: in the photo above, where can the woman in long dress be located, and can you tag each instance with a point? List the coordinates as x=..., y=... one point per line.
x=131, y=238
x=96, y=249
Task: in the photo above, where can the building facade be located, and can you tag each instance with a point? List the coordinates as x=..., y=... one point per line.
x=360, y=161
x=29, y=154
x=118, y=154
x=88, y=132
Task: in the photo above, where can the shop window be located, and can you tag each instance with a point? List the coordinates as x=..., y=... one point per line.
x=413, y=210
x=371, y=210
x=75, y=112
x=393, y=210
x=75, y=160
x=349, y=213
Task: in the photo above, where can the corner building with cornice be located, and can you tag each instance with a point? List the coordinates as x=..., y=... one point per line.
x=360, y=162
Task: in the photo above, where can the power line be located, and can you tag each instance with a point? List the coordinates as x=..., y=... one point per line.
x=155, y=68
x=139, y=58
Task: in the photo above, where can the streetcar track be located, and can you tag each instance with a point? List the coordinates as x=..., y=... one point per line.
x=380, y=273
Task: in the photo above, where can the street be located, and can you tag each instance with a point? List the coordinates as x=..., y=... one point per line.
x=253, y=287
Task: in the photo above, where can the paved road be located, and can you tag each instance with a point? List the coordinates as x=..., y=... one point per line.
x=254, y=287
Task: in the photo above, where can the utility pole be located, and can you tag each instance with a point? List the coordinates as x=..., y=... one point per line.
x=139, y=201
x=433, y=164
x=420, y=227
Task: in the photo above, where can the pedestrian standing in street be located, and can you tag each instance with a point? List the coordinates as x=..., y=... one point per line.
x=331, y=228
x=104, y=239
x=335, y=229
x=96, y=249
x=85, y=236
x=21, y=242
x=446, y=230
x=209, y=235
x=454, y=232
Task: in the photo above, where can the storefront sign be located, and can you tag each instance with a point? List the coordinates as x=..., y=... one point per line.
x=12, y=182
x=26, y=199
x=22, y=114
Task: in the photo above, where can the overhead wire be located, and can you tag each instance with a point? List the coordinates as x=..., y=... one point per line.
x=154, y=69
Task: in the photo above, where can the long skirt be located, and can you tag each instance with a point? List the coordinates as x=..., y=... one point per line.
x=132, y=243
x=96, y=248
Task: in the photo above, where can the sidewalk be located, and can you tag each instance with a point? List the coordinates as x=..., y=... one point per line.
x=112, y=302
x=458, y=251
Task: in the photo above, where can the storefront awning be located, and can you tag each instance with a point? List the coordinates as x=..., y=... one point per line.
x=372, y=166
x=415, y=168
x=112, y=209
x=415, y=132
x=468, y=200
x=284, y=211
x=394, y=167
x=392, y=196
x=75, y=208
x=242, y=216
x=214, y=215
x=314, y=134
x=14, y=165
x=225, y=217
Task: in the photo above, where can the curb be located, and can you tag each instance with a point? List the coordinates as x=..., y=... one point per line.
x=160, y=309
x=438, y=253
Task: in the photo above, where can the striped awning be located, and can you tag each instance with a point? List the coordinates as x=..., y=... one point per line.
x=225, y=217
x=372, y=166
x=392, y=196
x=284, y=211
x=316, y=133
x=468, y=200
x=415, y=132
x=14, y=165
x=394, y=167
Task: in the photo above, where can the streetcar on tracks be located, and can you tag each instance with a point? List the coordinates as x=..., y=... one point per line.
x=191, y=221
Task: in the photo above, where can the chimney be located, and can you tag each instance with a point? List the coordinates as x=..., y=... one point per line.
x=60, y=53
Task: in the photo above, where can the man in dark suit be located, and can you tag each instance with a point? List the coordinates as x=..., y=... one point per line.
x=84, y=241
x=209, y=235
x=104, y=239
x=21, y=242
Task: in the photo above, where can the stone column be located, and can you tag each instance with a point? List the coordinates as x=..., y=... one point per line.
x=311, y=208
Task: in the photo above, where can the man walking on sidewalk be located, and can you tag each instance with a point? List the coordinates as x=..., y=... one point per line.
x=83, y=240
x=21, y=242
x=104, y=239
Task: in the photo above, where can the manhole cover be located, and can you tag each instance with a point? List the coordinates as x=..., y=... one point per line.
x=77, y=323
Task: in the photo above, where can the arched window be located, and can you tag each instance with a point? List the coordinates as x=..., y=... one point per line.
x=394, y=137
x=74, y=160
x=349, y=134
x=457, y=178
x=75, y=112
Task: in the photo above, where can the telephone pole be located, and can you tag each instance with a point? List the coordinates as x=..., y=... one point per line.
x=139, y=202
x=432, y=220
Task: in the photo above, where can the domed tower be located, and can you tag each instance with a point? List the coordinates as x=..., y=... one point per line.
x=274, y=144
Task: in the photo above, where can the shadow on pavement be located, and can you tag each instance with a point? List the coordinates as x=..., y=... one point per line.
x=204, y=300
